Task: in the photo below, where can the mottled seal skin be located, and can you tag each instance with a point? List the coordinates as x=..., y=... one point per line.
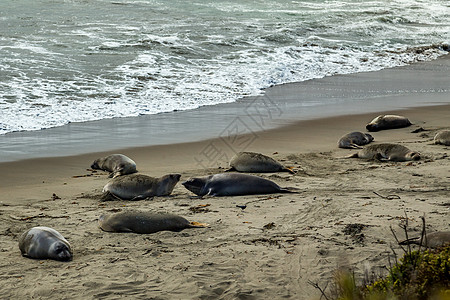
x=432, y=240
x=45, y=243
x=117, y=164
x=256, y=162
x=384, y=122
x=232, y=184
x=139, y=186
x=355, y=140
x=442, y=137
x=386, y=151
x=144, y=222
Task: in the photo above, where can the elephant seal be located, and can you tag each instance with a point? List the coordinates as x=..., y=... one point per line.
x=139, y=186
x=432, y=240
x=386, y=151
x=44, y=242
x=232, y=184
x=442, y=137
x=256, y=162
x=117, y=164
x=145, y=222
x=383, y=122
x=354, y=140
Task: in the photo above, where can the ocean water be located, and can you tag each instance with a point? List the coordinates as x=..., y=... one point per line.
x=64, y=61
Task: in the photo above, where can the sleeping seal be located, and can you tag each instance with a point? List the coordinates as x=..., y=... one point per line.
x=232, y=184
x=117, y=164
x=256, y=162
x=432, y=240
x=139, y=186
x=354, y=140
x=144, y=222
x=386, y=151
x=383, y=122
x=44, y=242
x=442, y=137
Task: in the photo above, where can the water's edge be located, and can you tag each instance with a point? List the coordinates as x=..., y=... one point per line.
x=419, y=84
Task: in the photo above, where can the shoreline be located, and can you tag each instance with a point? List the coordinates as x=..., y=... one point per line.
x=419, y=84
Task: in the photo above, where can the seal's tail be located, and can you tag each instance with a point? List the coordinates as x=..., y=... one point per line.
x=198, y=225
x=292, y=190
x=289, y=169
x=354, y=155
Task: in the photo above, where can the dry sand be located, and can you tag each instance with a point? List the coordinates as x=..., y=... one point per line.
x=269, y=250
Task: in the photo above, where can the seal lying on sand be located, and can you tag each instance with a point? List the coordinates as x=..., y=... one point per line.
x=383, y=122
x=117, y=164
x=432, y=240
x=256, y=162
x=139, y=186
x=442, y=137
x=354, y=140
x=44, y=242
x=386, y=151
x=144, y=222
x=232, y=184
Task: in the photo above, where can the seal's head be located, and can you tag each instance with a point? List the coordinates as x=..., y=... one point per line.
x=195, y=185
x=95, y=164
x=60, y=251
x=413, y=155
x=167, y=184
x=369, y=138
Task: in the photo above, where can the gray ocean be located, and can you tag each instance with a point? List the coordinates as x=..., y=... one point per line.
x=64, y=61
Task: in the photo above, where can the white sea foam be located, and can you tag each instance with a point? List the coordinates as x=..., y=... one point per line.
x=133, y=63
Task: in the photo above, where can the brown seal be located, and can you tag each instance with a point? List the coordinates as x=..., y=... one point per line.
x=355, y=140
x=139, y=186
x=432, y=240
x=442, y=137
x=383, y=122
x=256, y=162
x=117, y=164
x=386, y=151
x=145, y=222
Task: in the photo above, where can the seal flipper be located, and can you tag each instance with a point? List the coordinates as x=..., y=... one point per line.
x=108, y=196
x=291, y=190
x=289, y=169
x=197, y=225
x=230, y=169
x=354, y=155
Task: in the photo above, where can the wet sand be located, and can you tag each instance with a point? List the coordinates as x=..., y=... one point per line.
x=270, y=249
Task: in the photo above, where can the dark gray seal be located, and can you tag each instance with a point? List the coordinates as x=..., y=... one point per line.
x=139, y=186
x=383, y=122
x=432, y=240
x=117, y=164
x=43, y=243
x=256, y=162
x=232, y=184
x=355, y=140
x=442, y=137
x=386, y=151
x=145, y=222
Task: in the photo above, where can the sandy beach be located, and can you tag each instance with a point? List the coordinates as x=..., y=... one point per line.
x=271, y=249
